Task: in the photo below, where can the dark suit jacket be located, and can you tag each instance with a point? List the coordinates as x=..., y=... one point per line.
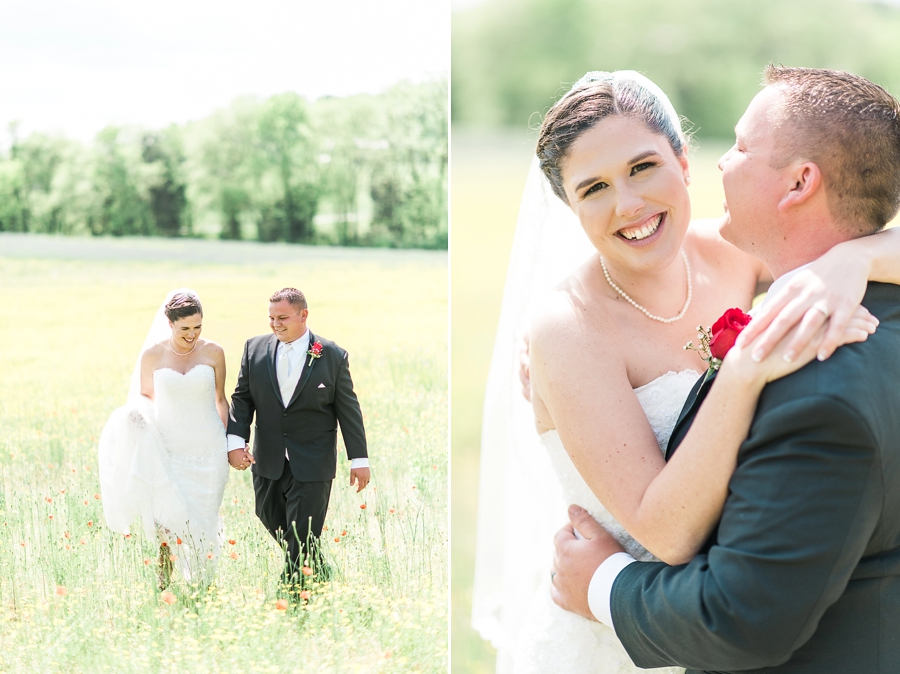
x=307, y=428
x=803, y=574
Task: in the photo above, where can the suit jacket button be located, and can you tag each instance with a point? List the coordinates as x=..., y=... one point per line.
x=284, y=434
x=284, y=414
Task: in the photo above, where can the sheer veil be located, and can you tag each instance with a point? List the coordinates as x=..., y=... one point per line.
x=520, y=505
x=159, y=330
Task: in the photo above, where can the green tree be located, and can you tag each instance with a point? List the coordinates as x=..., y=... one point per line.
x=226, y=168
x=409, y=183
x=120, y=205
x=286, y=145
x=167, y=189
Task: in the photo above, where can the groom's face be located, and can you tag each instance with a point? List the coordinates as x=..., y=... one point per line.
x=752, y=185
x=287, y=321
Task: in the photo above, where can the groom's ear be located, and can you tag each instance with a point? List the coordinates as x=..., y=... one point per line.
x=805, y=181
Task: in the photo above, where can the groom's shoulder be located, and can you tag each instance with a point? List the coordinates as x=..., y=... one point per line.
x=862, y=375
x=255, y=342
x=330, y=346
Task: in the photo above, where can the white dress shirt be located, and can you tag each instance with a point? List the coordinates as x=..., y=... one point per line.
x=297, y=359
x=600, y=589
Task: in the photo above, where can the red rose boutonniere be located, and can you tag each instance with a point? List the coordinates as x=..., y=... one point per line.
x=716, y=342
x=315, y=351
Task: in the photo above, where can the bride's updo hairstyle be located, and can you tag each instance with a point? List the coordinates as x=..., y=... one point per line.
x=182, y=305
x=594, y=97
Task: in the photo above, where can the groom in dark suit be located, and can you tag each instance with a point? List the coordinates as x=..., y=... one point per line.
x=803, y=572
x=298, y=385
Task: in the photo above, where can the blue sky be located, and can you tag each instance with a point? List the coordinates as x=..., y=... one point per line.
x=75, y=67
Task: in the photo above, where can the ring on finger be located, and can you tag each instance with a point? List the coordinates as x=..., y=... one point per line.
x=821, y=306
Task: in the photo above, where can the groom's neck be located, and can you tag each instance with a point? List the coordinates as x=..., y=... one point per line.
x=802, y=244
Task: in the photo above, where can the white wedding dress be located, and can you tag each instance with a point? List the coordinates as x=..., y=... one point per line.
x=165, y=461
x=554, y=640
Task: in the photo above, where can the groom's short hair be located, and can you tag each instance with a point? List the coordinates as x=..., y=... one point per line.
x=292, y=295
x=850, y=128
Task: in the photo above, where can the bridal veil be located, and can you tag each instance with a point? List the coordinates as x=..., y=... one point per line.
x=520, y=504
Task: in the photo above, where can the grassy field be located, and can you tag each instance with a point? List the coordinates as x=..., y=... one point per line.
x=78, y=598
x=488, y=174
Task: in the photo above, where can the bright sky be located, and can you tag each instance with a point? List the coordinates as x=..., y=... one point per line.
x=75, y=67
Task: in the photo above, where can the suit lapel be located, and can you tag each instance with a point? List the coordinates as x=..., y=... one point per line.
x=271, y=351
x=695, y=397
x=308, y=365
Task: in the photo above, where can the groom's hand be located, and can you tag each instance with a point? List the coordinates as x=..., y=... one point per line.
x=240, y=458
x=576, y=560
x=360, y=476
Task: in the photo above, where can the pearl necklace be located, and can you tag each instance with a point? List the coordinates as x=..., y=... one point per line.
x=180, y=354
x=687, y=302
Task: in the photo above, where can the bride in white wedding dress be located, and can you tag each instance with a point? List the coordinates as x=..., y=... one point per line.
x=611, y=281
x=163, y=455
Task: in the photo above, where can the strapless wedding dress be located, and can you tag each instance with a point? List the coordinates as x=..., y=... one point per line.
x=554, y=640
x=166, y=462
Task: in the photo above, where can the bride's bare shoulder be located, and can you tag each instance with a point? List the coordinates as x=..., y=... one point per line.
x=212, y=348
x=154, y=352
x=572, y=312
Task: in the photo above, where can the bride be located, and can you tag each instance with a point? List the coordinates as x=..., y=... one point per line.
x=609, y=373
x=163, y=455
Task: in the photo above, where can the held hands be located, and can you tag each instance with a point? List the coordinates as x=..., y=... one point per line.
x=240, y=459
x=826, y=293
x=575, y=560
x=360, y=476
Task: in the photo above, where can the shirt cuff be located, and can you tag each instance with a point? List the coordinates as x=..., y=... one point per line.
x=359, y=463
x=236, y=442
x=600, y=589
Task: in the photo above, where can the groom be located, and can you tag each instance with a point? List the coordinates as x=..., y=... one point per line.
x=803, y=572
x=298, y=385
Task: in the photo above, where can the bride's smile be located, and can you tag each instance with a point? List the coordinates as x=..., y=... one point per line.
x=627, y=187
x=642, y=230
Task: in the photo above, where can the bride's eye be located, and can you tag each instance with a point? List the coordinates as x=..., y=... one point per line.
x=596, y=187
x=643, y=166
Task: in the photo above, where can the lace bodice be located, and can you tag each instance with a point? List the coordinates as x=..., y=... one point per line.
x=185, y=409
x=661, y=400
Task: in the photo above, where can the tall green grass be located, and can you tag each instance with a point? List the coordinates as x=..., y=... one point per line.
x=76, y=597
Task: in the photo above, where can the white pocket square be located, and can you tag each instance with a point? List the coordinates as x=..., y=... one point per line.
x=321, y=386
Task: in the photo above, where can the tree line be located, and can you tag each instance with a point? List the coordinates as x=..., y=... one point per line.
x=512, y=59
x=365, y=170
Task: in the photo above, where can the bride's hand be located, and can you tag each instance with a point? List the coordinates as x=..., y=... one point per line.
x=240, y=458
x=827, y=292
x=784, y=359
x=524, y=358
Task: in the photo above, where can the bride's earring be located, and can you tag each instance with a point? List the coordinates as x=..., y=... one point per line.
x=687, y=178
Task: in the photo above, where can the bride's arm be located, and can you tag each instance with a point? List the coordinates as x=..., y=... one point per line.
x=219, y=367
x=148, y=364
x=838, y=280
x=671, y=509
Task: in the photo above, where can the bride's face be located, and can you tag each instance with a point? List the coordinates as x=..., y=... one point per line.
x=186, y=331
x=629, y=190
